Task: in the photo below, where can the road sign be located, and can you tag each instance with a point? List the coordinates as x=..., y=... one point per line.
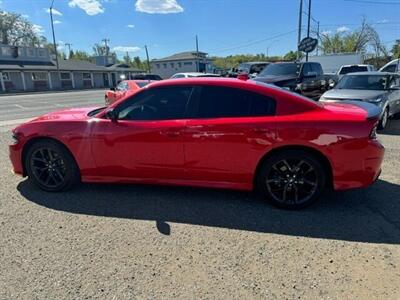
x=308, y=44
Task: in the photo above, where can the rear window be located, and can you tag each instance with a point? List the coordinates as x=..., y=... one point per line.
x=352, y=69
x=142, y=83
x=225, y=102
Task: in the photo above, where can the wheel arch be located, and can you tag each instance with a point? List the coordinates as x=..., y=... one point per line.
x=34, y=140
x=314, y=152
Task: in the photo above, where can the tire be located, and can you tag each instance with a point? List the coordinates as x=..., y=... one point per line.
x=50, y=166
x=384, y=120
x=284, y=175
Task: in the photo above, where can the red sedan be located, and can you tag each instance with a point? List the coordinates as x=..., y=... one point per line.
x=209, y=132
x=124, y=88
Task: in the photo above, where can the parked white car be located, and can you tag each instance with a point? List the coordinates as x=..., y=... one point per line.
x=393, y=66
x=194, y=74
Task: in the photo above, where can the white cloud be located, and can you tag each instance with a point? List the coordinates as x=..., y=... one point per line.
x=342, y=29
x=326, y=32
x=158, y=6
x=382, y=21
x=57, y=22
x=38, y=29
x=55, y=11
x=91, y=7
x=130, y=26
x=25, y=16
x=126, y=49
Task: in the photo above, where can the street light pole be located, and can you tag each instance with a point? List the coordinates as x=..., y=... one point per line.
x=299, y=32
x=308, y=24
x=54, y=38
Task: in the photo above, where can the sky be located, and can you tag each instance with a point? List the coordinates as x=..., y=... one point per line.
x=223, y=27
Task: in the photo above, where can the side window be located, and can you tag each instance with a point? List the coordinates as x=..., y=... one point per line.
x=390, y=68
x=121, y=86
x=306, y=69
x=156, y=104
x=220, y=102
x=317, y=69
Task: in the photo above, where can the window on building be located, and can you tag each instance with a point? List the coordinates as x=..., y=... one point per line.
x=41, y=52
x=30, y=52
x=224, y=102
x=165, y=66
x=158, y=66
x=65, y=76
x=172, y=65
x=6, y=51
x=6, y=76
x=187, y=63
x=39, y=76
x=86, y=76
x=179, y=65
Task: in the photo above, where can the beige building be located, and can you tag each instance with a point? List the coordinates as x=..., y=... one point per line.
x=190, y=61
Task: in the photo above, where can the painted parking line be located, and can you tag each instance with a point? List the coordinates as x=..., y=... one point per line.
x=14, y=122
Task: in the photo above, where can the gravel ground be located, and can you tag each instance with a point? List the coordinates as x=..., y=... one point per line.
x=142, y=242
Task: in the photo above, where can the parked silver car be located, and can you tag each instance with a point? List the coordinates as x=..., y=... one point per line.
x=380, y=88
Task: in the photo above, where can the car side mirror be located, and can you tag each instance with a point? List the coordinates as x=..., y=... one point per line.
x=112, y=89
x=112, y=115
x=394, y=87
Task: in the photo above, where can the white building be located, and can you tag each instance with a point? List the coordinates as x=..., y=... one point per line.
x=190, y=61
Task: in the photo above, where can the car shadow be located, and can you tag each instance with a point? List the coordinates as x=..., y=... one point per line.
x=366, y=215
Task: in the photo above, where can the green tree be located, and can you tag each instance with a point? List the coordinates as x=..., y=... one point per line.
x=396, y=49
x=82, y=55
x=290, y=56
x=18, y=31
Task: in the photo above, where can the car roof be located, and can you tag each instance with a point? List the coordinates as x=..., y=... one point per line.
x=371, y=73
x=358, y=65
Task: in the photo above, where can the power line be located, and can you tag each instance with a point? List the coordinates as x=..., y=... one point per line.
x=251, y=43
x=375, y=2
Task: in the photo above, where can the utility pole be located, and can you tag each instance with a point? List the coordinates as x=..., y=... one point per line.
x=197, y=54
x=69, y=48
x=106, y=40
x=317, y=35
x=148, y=60
x=308, y=24
x=299, y=32
x=54, y=38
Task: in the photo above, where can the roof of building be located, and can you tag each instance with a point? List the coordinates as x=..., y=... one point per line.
x=64, y=65
x=182, y=56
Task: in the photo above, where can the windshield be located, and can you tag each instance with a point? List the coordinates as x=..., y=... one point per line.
x=142, y=83
x=363, y=82
x=352, y=69
x=96, y=111
x=281, y=70
x=243, y=67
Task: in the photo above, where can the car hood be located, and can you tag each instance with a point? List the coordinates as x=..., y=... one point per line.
x=71, y=114
x=275, y=79
x=339, y=94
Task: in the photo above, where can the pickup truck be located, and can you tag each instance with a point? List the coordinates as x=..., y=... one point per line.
x=305, y=78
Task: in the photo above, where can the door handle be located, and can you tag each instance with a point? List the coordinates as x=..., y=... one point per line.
x=171, y=133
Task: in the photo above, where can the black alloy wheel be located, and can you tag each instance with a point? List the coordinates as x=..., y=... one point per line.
x=292, y=179
x=50, y=166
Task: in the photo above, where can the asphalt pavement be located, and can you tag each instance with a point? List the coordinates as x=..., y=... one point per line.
x=153, y=242
x=16, y=107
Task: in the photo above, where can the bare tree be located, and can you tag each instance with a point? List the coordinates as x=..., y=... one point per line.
x=17, y=31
